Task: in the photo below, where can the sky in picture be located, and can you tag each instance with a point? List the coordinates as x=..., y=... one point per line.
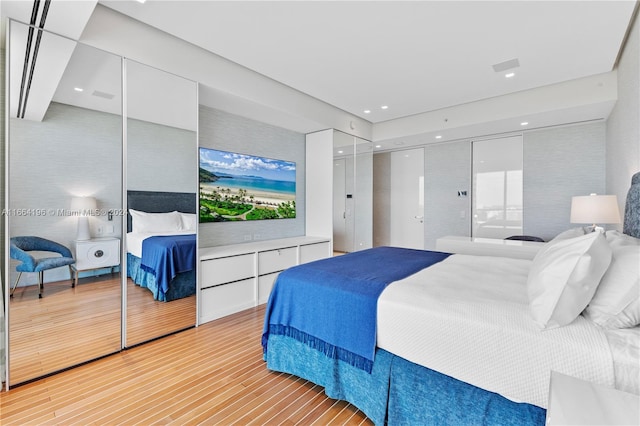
x=222, y=162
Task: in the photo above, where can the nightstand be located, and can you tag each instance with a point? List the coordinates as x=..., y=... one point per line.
x=489, y=247
x=574, y=401
x=96, y=253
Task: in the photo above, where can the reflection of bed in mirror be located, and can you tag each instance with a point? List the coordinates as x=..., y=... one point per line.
x=161, y=243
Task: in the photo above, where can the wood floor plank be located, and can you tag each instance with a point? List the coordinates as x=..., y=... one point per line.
x=213, y=374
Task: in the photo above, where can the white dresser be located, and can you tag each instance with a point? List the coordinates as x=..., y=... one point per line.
x=489, y=247
x=240, y=276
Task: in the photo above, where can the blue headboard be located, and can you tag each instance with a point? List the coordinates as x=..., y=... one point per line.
x=632, y=209
x=160, y=202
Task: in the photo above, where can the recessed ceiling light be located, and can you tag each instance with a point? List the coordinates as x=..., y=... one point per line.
x=141, y=1
x=340, y=152
x=384, y=106
x=438, y=136
x=367, y=111
x=510, y=74
x=378, y=146
x=524, y=123
x=78, y=89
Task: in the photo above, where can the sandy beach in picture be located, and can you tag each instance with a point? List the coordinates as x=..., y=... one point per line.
x=259, y=196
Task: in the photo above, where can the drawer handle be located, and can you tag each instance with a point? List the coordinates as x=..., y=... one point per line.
x=98, y=253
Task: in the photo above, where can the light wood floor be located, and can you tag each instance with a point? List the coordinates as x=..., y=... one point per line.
x=213, y=374
x=71, y=325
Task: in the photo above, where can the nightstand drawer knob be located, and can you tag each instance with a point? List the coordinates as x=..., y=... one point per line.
x=98, y=253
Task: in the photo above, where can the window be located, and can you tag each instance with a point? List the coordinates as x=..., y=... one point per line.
x=497, y=187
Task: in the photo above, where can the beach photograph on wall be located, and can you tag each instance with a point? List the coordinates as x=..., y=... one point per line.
x=237, y=187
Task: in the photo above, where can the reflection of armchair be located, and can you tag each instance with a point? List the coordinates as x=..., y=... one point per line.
x=21, y=245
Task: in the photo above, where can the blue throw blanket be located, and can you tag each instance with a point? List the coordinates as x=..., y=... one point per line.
x=331, y=304
x=168, y=255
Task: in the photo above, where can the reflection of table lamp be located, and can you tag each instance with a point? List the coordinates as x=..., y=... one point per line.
x=595, y=209
x=84, y=207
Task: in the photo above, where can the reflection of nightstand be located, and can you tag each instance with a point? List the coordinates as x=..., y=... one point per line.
x=96, y=253
x=577, y=402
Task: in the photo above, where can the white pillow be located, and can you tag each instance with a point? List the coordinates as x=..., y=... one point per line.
x=570, y=233
x=616, y=303
x=155, y=222
x=188, y=221
x=564, y=276
x=617, y=238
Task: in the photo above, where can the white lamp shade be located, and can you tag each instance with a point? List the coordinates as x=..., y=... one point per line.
x=595, y=209
x=83, y=205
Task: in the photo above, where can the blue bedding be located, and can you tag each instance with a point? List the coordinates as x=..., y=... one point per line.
x=341, y=320
x=168, y=255
x=398, y=392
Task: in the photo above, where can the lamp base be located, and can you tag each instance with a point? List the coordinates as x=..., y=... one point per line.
x=83, y=233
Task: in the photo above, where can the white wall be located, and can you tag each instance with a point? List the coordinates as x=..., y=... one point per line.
x=319, y=163
x=558, y=164
x=623, y=126
x=160, y=158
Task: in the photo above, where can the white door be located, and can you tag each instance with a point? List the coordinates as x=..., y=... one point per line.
x=339, y=206
x=407, y=199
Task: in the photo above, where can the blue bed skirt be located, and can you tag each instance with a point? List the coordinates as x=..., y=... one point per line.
x=398, y=392
x=183, y=285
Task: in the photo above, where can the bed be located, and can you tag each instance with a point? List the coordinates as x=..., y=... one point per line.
x=461, y=339
x=161, y=243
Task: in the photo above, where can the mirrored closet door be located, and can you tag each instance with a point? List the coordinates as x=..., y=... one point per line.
x=161, y=193
x=352, y=193
x=64, y=196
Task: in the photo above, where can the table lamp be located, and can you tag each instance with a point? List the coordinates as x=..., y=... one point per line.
x=84, y=207
x=595, y=209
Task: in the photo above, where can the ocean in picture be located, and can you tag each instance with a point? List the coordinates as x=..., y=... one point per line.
x=255, y=183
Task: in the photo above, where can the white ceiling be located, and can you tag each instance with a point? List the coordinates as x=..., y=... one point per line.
x=413, y=56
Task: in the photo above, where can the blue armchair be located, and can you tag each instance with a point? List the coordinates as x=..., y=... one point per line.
x=19, y=248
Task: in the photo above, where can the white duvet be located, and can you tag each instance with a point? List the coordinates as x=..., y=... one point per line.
x=468, y=317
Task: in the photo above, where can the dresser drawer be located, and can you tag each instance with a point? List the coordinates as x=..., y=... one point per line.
x=226, y=269
x=97, y=253
x=265, y=284
x=276, y=260
x=225, y=299
x=311, y=252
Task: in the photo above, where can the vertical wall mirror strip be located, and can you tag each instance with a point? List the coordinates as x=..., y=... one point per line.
x=352, y=193
x=161, y=184
x=76, y=166
x=64, y=160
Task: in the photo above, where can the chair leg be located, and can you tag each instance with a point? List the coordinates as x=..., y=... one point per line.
x=73, y=279
x=15, y=285
x=41, y=283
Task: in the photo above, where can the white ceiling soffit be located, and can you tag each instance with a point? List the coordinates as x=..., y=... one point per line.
x=38, y=59
x=413, y=56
